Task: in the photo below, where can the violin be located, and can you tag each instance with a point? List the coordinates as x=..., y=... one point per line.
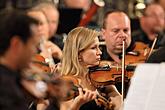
x=44, y=87
x=138, y=55
x=40, y=62
x=111, y=73
x=37, y=82
x=108, y=73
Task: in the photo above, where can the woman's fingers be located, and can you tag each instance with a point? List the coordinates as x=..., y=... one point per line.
x=80, y=91
x=89, y=95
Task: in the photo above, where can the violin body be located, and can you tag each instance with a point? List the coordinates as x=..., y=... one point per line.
x=138, y=55
x=39, y=61
x=107, y=74
x=38, y=81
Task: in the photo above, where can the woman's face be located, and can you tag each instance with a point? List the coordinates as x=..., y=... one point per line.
x=91, y=56
x=43, y=26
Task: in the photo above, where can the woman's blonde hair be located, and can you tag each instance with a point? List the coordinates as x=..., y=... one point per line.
x=78, y=40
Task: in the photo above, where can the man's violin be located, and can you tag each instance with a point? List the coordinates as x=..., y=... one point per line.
x=138, y=55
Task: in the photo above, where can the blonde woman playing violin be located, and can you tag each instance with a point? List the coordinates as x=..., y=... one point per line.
x=81, y=51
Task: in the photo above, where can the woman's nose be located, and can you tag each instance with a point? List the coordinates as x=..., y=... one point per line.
x=99, y=52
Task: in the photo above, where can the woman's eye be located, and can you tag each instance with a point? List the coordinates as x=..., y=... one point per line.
x=94, y=47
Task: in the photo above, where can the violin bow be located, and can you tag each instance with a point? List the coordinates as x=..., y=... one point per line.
x=153, y=45
x=49, y=60
x=123, y=70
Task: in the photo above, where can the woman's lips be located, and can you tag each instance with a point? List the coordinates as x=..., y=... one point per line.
x=98, y=59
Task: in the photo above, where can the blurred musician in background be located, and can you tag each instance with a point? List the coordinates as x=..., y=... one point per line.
x=18, y=41
x=48, y=49
x=52, y=14
x=152, y=25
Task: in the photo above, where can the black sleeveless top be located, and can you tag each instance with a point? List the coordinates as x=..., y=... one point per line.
x=91, y=105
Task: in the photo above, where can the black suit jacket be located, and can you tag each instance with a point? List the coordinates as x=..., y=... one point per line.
x=11, y=94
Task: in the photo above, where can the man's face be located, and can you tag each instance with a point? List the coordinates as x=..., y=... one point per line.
x=116, y=30
x=28, y=49
x=154, y=18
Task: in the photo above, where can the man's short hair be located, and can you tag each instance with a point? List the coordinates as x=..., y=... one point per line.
x=108, y=13
x=144, y=12
x=14, y=23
